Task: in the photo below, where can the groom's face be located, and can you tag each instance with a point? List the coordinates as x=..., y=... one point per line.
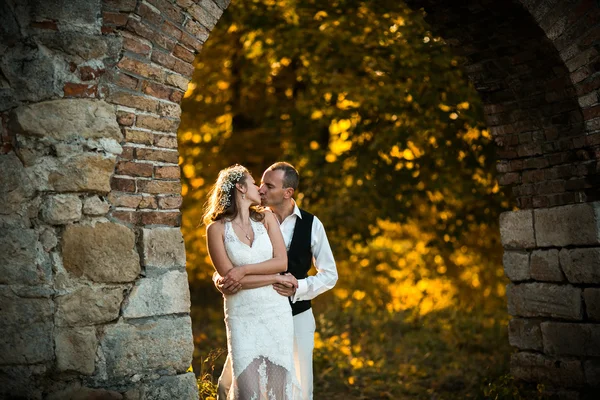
x=271, y=188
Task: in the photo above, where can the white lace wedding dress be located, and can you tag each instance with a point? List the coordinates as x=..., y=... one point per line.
x=260, y=330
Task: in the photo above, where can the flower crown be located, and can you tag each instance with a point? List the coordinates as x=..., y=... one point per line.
x=227, y=181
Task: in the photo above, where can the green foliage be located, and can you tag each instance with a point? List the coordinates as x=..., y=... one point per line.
x=394, y=158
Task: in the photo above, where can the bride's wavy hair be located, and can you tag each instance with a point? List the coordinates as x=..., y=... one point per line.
x=221, y=202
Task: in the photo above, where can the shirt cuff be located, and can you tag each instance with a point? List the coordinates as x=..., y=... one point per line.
x=301, y=290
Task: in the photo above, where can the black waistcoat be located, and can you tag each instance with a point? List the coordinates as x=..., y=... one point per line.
x=300, y=255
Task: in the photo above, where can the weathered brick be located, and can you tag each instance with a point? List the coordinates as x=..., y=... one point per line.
x=212, y=8
x=592, y=372
x=171, y=30
x=581, y=265
x=129, y=217
x=200, y=32
x=525, y=334
x=163, y=58
x=157, y=155
x=591, y=298
x=516, y=265
x=126, y=200
x=157, y=123
x=183, y=53
x=150, y=14
x=171, y=110
x=134, y=169
x=140, y=102
x=128, y=153
x=88, y=73
x=136, y=44
x=137, y=136
x=113, y=18
x=202, y=16
x=192, y=42
x=156, y=90
x=122, y=184
x=171, y=11
x=176, y=96
x=119, y=5
x=165, y=141
x=184, y=68
x=170, y=202
x=167, y=172
x=80, y=89
x=583, y=339
x=159, y=187
x=161, y=218
x=141, y=68
x=544, y=300
x=123, y=80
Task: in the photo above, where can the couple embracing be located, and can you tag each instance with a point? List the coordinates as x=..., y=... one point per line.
x=262, y=257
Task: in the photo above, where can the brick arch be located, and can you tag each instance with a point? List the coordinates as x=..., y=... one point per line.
x=535, y=65
x=89, y=104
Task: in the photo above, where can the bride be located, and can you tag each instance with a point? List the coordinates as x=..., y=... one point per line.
x=245, y=245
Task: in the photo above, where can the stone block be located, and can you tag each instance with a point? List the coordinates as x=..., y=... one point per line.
x=21, y=381
x=89, y=305
x=61, y=209
x=538, y=368
x=77, y=392
x=159, y=295
x=22, y=259
x=182, y=387
x=581, y=265
x=105, y=252
x=15, y=187
x=571, y=339
x=79, y=15
x=544, y=300
x=545, y=266
x=165, y=343
x=84, y=172
x=29, y=343
x=67, y=119
x=17, y=310
x=516, y=229
x=516, y=265
x=163, y=248
x=592, y=372
x=591, y=298
x=76, y=350
x=571, y=225
x=525, y=334
x=95, y=206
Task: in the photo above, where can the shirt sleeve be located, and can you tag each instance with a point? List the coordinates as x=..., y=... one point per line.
x=326, y=276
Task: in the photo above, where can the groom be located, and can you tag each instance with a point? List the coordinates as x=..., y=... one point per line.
x=306, y=242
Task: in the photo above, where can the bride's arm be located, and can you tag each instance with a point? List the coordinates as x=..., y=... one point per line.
x=255, y=281
x=276, y=264
x=216, y=248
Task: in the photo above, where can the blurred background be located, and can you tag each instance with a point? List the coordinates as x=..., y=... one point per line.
x=394, y=157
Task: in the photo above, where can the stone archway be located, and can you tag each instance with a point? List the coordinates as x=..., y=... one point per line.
x=92, y=268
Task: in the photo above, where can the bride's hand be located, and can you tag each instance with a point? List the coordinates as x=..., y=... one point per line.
x=235, y=274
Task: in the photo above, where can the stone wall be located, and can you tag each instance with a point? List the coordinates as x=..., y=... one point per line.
x=93, y=288
x=535, y=64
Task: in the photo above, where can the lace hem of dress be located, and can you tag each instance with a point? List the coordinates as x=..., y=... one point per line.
x=264, y=379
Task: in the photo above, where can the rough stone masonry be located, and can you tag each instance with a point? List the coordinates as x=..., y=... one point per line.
x=94, y=299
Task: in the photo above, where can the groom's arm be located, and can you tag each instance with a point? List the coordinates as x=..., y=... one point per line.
x=326, y=276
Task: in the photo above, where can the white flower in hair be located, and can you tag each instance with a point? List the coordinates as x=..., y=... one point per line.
x=227, y=181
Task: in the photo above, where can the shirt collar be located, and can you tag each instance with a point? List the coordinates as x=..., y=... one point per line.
x=297, y=210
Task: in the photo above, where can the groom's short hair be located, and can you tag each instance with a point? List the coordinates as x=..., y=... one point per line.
x=290, y=175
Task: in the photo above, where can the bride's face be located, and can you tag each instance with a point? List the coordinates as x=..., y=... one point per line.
x=252, y=190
